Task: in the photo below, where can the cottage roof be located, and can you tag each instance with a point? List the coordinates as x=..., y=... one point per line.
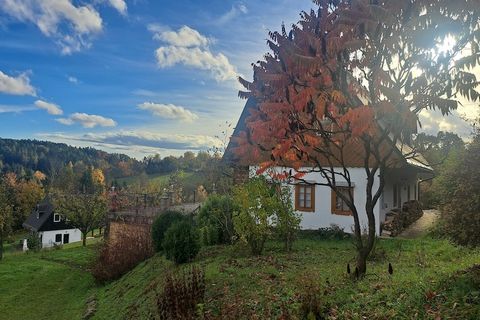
x=406, y=155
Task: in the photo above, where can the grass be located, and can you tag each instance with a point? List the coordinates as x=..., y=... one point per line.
x=431, y=278
x=427, y=281
x=51, y=284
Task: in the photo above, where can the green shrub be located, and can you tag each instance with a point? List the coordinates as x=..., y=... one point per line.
x=460, y=218
x=286, y=220
x=215, y=220
x=256, y=206
x=33, y=241
x=181, y=243
x=334, y=232
x=161, y=225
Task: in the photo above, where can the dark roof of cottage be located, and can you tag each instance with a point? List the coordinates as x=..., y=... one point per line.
x=39, y=216
x=406, y=154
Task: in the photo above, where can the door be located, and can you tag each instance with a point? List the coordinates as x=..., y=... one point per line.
x=66, y=238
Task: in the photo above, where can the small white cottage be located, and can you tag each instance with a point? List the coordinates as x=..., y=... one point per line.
x=52, y=228
x=320, y=207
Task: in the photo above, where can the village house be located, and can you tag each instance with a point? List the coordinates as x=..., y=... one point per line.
x=320, y=207
x=52, y=228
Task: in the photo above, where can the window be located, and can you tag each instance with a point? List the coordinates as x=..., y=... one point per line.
x=56, y=217
x=58, y=237
x=338, y=204
x=305, y=197
x=408, y=192
x=415, y=191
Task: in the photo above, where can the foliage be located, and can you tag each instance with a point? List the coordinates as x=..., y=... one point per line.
x=286, y=220
x=5, y=215
x=33, y=241
x=161, y=224
x=181, y=243
x=460, y=217
x=25, y=157
x=329, y=82
x=83, y=211
x=121, y=254
x=182, y=294
x=215, y=220
x=334, y=232
x=256, y=204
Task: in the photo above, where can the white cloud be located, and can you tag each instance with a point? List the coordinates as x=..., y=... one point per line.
x=81, y=22
x=15, y=109
x=235, y=11
x=169, y=111
x=190, y=48
x=87, y=120
x=135, y=141
x=73, y=79
x=119, y=5
x=184, y=37
x=203, y=59
x=51, y=108
x=19, y=85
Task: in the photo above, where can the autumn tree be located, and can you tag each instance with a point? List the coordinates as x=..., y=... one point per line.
x=5, y=215
x=84, y=211
x=347, y=84
x=84, y=202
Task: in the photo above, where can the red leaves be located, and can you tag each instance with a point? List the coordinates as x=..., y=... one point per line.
x=360, y=120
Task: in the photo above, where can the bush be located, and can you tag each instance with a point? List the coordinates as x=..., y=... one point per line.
x=33, y=241
x=256, y=205
x=334, y=232
x=181, y=243
x=286, y=220
x=161, y=225
x=460, y=217
x=215, y=220
x=120, y=254
x=181, y=295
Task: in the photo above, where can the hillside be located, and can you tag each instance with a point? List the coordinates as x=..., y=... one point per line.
x=27, y=156
x=430, y=278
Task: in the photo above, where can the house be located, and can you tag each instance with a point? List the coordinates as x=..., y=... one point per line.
x=52, y=228
x=320, y=207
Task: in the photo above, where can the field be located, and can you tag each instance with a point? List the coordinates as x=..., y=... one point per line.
x=431, y=278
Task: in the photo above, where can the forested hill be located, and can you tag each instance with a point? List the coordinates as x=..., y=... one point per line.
x=24, y=157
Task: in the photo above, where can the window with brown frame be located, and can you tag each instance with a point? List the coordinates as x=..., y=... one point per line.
x=305, y=197
x=338, y=205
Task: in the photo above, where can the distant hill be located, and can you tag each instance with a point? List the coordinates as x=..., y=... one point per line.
x=24, y=157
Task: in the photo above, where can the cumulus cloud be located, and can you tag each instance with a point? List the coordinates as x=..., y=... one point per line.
x=87, y=120
x=184, y=37
x=19, y=85
x=51, y=108
x=79, y=23
x=188, y=47
x=169, y=111
x=119, y=5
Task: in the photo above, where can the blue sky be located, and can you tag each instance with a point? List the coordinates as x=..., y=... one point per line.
x=133, y=76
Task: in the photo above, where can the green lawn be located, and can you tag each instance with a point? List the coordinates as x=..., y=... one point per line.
x=51, y=284
x=430, y=278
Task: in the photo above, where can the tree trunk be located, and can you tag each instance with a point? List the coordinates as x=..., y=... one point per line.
x=361, y=264
x=84, y=239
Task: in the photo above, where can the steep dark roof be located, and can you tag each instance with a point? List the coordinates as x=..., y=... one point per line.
x=407, y=155
x=41, y=219
x=228, y=156
x=39, y=216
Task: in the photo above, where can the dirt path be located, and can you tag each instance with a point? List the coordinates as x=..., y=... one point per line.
x=421, y=226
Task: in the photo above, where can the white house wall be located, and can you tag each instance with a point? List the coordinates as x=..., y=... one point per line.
x=48, y=237
x=323, y=217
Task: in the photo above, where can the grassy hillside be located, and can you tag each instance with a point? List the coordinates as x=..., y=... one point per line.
x=430, y=278
x=426, y=282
